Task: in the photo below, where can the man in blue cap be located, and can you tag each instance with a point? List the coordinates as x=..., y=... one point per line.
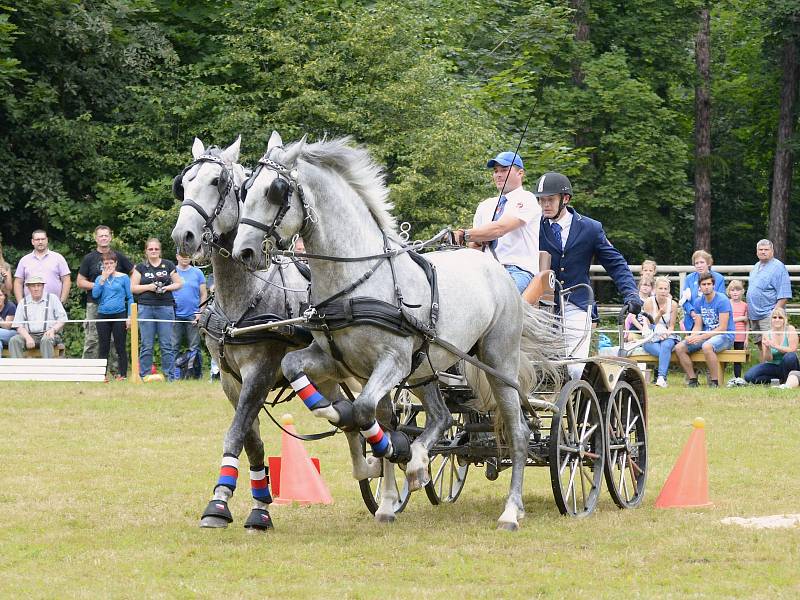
x=507, y=225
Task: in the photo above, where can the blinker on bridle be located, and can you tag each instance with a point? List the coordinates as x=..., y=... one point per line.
x=224, y=187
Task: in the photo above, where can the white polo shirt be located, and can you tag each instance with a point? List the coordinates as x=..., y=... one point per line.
x=519, y=247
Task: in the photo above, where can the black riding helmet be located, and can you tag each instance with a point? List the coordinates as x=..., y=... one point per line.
x=551, y=184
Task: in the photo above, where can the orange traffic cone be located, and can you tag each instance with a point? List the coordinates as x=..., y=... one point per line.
x=296, y=478
x=687, y=484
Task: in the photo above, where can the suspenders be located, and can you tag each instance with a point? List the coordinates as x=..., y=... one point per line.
x=46, y=312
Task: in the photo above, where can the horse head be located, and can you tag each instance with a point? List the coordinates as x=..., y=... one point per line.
x=207, y=190
x=274, y=208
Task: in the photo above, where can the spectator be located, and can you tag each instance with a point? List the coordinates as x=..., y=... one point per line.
x=634, y=324
x=739, y=312
x=153, y=281
x=188, y=299
x=690, y=293
x=7, y=310
x=38, y=320
x=768, y=287
x=664, y=311
x=47, y=263
x=648, y=270
x=712, y=331
x=507, y=225
x=90, y=269
x=778, y=351
x=112, y=292
x=6, y=278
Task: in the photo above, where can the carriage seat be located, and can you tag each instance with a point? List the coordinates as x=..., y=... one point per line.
x=542, y=289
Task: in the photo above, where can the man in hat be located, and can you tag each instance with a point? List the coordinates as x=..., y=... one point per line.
x=507, y=225
x=38, y=320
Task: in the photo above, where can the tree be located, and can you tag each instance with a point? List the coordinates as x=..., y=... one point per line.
x=702, y=128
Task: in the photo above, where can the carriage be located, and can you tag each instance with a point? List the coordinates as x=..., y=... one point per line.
x=584, y=432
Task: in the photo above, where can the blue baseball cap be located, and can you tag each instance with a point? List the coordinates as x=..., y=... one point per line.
x=506, y=159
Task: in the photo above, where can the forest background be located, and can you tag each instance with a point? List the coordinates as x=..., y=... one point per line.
x=675, y=119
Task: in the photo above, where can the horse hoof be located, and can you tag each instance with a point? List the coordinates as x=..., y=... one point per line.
x=502, y=526
x=381, y=518
x=417, y=480
x=259, y=520
x=213, y=523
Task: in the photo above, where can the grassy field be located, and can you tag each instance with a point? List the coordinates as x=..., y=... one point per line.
x=103, y=486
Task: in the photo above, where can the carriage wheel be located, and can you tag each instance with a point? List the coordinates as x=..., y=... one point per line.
x=626, y=447
x=447, y=475
x=576, y=450
x=371, y=488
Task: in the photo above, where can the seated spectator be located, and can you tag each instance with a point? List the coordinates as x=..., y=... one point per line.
x=648, y=270
x=6, y=278
x=634, y=324
x=7, y=310
x=664, y=311
x=690, y=293
x=778, y=351
x=740, y=321
x=712, y=331
x=112, y=291
x=38, y=321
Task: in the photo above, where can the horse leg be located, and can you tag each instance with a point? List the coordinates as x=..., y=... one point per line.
x=389, y=494
x=519, y=434
x=247, y=399
x=437, y=420
x=259, y=518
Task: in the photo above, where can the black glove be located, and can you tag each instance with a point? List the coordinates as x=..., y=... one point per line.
x=634, y=306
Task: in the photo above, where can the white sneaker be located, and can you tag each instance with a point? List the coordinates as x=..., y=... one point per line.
x=661, y=382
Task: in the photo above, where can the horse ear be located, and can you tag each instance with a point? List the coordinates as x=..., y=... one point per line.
x=275, y=141
x=198, y=148
x=231, y=153
x=290, y=158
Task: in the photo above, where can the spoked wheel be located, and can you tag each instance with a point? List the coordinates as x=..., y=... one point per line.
x=626, y=447
x=447, y=474
x=576, y=450
x=371, y=488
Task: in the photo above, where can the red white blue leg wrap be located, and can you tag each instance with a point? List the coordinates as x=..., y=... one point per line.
x=228, y=471
x=378, y=440
x=259, y=484
x=308, y=393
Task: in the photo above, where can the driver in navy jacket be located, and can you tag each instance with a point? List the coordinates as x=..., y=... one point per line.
x=573, y=242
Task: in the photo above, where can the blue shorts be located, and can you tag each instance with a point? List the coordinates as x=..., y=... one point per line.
x=719, y=342
x=521, y=277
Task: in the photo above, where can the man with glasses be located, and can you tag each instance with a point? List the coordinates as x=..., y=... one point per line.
x=50, y=265
x=768, y=287
x=573, y=242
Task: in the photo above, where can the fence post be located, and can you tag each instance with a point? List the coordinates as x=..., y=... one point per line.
x=135, y=343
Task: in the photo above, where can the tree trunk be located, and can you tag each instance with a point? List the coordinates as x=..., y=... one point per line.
x=581, y=8
x=784, y=159
x=702, y=136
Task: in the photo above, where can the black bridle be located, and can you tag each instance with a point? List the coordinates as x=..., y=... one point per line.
x=279, y=194
x=225, y=186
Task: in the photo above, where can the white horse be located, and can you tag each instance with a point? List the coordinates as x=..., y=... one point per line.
x=207, y=225
x=381, y=319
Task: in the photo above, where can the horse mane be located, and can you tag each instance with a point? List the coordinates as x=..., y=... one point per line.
x=355, y=165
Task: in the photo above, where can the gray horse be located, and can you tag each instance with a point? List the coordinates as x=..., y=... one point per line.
x=206, y=225
x=381, y=319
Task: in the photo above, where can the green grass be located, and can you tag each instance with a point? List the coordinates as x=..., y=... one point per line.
x=103, y=486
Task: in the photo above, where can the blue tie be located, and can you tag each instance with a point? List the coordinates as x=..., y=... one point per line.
x=498, y=212
x=557, y=234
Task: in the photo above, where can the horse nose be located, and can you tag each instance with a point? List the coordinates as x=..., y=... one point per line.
x=247, y=256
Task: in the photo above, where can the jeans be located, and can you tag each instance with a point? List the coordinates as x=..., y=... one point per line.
x=5, y=337
x=521, y=277
x=185, y=327
x=148, y=333
x=765, y=372
x=663, y=350
x=719, y=342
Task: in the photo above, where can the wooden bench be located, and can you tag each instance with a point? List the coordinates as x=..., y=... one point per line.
x=725, y=357
x=61, y=352
x=52, y=369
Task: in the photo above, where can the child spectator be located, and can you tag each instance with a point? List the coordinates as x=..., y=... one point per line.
x=634, y=324
x=648, y=270
x=740, y=321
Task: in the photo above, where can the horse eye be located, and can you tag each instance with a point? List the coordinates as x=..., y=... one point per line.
x=215, y=181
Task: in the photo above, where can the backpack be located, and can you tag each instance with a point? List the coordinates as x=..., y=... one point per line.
x=189, y=365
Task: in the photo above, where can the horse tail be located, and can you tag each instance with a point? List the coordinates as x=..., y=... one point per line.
x=541, y=345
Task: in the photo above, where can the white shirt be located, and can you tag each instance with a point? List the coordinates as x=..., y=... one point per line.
x=566, y=223
x=520, y=246
x=40, y=316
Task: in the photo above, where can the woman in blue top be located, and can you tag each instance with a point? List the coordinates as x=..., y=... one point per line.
x=690, y=293
x=112, y=290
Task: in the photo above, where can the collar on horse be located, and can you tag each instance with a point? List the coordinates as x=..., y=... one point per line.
x=225, y=186
x=280, y=195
